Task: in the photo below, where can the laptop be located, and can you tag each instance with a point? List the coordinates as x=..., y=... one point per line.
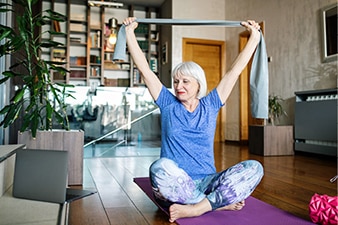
x=42, y=175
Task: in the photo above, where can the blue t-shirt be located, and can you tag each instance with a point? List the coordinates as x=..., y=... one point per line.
x=188, y=137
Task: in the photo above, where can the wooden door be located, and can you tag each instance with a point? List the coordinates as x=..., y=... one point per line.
x=210, y=55
x=245, y=111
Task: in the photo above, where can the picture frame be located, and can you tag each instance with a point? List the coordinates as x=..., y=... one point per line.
x=329, y=33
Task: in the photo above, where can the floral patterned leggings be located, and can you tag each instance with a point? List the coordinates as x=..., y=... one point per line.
x=172, y=184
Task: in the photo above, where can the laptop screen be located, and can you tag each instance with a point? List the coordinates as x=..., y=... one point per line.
x=41, y=175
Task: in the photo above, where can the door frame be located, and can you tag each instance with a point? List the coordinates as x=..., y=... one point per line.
x=245, y=118
x=221, y=44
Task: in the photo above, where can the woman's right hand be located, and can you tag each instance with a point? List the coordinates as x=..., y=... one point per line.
x=130, y=23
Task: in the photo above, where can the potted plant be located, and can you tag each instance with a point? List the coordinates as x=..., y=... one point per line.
x=38, y=102
x=275, y=108
x=37, y=95
x=272, y=140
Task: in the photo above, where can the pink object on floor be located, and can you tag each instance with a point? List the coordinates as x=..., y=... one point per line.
x=324, y=209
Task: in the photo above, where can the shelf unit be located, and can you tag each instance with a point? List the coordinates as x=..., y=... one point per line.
x=316, y=121
x=57, y=53
x=77, y=48
x=84, y=49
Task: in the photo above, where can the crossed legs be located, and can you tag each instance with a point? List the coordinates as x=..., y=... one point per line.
x=221, y=191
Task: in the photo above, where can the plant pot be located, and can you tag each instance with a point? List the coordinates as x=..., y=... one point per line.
x=271, y=140
x=71, y=141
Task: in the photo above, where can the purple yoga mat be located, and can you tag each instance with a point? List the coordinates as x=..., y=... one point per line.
x=255, y=212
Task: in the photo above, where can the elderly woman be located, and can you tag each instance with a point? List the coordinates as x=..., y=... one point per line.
x=185, y=178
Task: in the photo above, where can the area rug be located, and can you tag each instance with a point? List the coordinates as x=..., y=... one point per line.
x=255, y=212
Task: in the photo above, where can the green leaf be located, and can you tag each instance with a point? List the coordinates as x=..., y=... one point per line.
x=4, y=4
x=49, y=113
x=19, y=95
x=5, y=33
x=59, y=117
x=16, y=43
x=28, y=117
x=4, y=7
x=3, y=80
x=30, y=106
x=56, y=16
x=57, y=33
x=35, y=123
x=56, y=97
x=50, y=43
x=60, y=69
x=55, y=63
x=11, y=115
x=10, y=73
x=65, y=85
x=5, y=109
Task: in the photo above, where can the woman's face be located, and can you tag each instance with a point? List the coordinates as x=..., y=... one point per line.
x=186, y=87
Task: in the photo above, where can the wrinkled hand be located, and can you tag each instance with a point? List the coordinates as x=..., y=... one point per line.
x=130, y=23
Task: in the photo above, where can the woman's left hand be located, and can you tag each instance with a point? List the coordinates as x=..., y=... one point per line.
x=252, y=26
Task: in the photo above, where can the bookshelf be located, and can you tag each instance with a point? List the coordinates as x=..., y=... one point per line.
x=86, y=50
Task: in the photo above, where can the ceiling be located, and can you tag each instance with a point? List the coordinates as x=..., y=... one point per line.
x=147, y=3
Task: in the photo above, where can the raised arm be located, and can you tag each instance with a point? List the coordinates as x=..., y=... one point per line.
x=153, y=83
x=228, y=81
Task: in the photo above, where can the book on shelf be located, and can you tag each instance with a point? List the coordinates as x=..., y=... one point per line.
x=58, y=76
x=75, y=39
x=137, y=77
x=142, y=29
x=95, y=41
x=116, y=82
x=109, y=65
x=143, y=44
x=110, y=82
x=154, y=64
x=93, y=59
x=77, y=60
x=95, y=71
x=98, y=39
x=77, y=74
x=56, y=25
x=59, y=53
x=123, y=82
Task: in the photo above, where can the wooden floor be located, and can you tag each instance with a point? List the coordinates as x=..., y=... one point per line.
x=288, y=183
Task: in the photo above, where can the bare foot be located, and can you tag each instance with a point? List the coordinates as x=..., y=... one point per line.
x=178, y=211
x=234, y=206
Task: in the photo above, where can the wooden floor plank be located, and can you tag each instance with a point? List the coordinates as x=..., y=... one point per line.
x=288, y=183
x=125, y=216
x=88, y=211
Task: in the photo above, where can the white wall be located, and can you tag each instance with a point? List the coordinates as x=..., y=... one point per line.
x=293, y=39
x=196, y=9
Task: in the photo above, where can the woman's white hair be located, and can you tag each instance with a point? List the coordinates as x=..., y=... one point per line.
x=194, y=70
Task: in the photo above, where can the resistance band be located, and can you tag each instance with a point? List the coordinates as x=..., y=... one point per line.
x=259, y=76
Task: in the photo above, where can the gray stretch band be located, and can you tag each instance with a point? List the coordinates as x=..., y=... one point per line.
x=259, y=76
x=120, y=47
